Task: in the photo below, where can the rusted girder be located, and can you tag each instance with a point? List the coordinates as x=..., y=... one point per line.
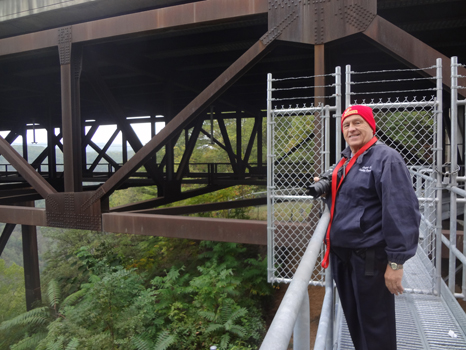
x=26, y=170
x=70, y=73
x=199, y=208
x=221, y=230
x=136, y=23
x=7, y=230
x=406, y=47
x=31, y=264
x=23, y=215
x=151, y=203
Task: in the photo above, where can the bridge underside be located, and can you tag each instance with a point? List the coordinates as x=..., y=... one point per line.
x=198, y=67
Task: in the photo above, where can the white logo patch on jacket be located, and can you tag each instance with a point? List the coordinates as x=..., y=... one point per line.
x=366, y=169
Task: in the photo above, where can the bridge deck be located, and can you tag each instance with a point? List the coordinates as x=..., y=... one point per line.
x=424, y=321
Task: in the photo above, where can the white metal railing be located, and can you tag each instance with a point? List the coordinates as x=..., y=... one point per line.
x=453, y=183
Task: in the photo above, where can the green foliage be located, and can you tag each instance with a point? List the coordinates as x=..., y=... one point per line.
x=12, y=286
x=26, y=330
x=215, y=304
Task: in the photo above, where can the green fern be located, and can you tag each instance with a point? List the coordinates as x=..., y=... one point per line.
x=29, y=342
x=37, y=316
x=53, y=294
x=73, y=298
x=141, y=343
x=224, y=342
x=56, y=345
x=164, y=340
x=73, y=344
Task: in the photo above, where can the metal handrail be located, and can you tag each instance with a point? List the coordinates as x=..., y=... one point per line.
x=279, y=333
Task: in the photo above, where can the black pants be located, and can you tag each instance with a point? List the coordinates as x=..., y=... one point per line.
x=368, y=306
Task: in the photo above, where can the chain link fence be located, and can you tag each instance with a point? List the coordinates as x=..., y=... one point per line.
x=298, y=144
x=299, y=149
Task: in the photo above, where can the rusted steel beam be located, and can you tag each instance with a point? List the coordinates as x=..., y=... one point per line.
x=221, y=230
x=31, y=264
x=319, y=72
x=152, y=203
x=7, y=230
x=70, y=70
x=199, y=208
x=183, y=168
x=25, y=169
x=234, y=158
x=252, y=138
x=102, y=153
x=186, y=116
x=19, y=198
x=407, y=48
x=191, y=14
x=23, y=215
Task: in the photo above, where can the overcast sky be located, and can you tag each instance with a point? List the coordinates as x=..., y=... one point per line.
x=102, y=135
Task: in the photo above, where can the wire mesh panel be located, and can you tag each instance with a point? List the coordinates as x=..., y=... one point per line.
x=409, y=125
x=297, y=158
x=297, y=150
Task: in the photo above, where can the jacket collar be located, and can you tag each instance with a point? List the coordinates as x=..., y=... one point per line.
x=348, y=154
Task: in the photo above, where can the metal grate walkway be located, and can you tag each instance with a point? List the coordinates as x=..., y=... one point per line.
x=424, y=321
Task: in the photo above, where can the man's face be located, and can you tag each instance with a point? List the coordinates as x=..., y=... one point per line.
x=356, y=132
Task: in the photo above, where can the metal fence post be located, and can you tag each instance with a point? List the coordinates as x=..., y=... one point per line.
x=438, y=247
x=302, y=326
x=270, y=247
x=324, y=337
x=338, y=112
x=453, y=163
x=348, y=86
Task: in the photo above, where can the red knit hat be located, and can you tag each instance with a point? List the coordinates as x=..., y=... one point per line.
x=364, y=111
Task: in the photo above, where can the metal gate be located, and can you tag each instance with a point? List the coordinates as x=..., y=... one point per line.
x=299, y=148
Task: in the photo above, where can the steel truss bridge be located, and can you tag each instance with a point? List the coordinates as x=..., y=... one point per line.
x=73, y=68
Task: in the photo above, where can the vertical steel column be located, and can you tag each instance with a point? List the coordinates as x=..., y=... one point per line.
x=239, y=148
x=31, y=264
x=51, y=155
x=348, y=86
x=259, y=121
x=338, y=113
x=124, y=147
x=327, y=136
x=70, y=71
x=270, y=185
x=25, y=143
x=153, y=131
x=453, y=175
x=319, y=100
x=319, y=72
x=438, y=148
x=455, y=107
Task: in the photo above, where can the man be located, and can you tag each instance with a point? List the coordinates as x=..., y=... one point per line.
x=373, y=230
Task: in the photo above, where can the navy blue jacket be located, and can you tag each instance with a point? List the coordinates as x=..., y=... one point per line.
x=376, y=205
